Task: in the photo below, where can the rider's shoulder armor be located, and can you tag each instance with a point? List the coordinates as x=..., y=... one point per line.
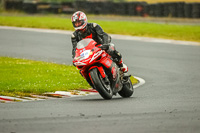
x=91, y=27
x=95, y=24
x=73, y=35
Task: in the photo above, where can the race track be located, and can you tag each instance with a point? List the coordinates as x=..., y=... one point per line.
x=168, y=102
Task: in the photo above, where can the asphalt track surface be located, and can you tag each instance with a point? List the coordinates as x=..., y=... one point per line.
x=169, y=101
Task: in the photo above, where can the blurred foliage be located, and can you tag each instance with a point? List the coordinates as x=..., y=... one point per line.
x=148, y=1
x=162, y=1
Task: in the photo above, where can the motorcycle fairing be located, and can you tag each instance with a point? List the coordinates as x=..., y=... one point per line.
x=99, y=59
x=100, y=68
x=107, y=62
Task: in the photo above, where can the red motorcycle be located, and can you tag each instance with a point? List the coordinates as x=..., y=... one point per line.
x=100, y=71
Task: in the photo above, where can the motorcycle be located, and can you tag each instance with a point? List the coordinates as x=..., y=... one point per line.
x=100, y=71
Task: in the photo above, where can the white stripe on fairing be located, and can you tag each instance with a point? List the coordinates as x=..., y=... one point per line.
x=115, y=36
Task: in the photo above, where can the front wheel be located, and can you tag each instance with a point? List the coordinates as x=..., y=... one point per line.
x=104, y=90
x=127, y=89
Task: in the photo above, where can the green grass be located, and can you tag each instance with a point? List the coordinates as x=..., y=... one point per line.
x=22, y=77
x=36, y=22
x=167, y=31
x=177, y=32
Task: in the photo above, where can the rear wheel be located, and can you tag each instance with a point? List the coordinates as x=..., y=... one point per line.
x=127, y=89
x=104, y=90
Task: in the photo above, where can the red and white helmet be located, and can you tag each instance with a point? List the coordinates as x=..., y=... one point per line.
x=79, y=20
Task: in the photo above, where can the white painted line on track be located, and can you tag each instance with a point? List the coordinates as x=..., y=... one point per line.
x=115, y=36
x=37, y=30
x=154, y=40
x=141, y=82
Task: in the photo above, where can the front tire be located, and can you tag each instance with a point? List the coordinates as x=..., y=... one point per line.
x=104, y=90
x=127, y=89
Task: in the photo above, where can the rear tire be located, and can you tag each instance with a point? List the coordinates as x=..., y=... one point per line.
x=127, y=89
x=104, y=90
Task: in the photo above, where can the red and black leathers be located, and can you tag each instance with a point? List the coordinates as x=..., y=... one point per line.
x=95, y=32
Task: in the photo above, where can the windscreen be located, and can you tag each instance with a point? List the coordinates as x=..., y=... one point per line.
x=83, y=43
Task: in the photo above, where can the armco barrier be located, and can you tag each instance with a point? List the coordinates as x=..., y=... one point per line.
x=196, y=10
x=120, y=8
x=30, y=7
x=67, y=7
x=171, y=9
x=43, y=7
x=140, y=8
x=132, y=8
x=55, y=8
x=100, y=7
x=166, y=10
x=188, y=10
x=14, y=5
x=180, y=9
x=82, y=6
x=159, y=10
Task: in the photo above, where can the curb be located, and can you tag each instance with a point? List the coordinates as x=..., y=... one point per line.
x=50, y=95
x=141, y=82
x=59, y=94
x=73, y=93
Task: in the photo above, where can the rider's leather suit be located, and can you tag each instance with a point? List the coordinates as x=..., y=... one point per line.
x=95, y=32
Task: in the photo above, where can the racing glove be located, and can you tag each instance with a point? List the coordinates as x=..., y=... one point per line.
x=104, y=46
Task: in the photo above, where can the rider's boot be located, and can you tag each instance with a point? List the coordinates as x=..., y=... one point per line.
x=122, y=66
x=124, y=69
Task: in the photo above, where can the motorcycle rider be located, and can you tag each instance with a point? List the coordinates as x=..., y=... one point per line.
x=83, y=30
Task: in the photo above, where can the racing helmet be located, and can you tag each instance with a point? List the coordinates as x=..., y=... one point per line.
x=79, y=20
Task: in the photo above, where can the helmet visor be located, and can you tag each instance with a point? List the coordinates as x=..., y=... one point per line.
x=78, y=23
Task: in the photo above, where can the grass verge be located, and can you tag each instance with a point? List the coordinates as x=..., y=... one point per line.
x=167, y=31
x=22, y=77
